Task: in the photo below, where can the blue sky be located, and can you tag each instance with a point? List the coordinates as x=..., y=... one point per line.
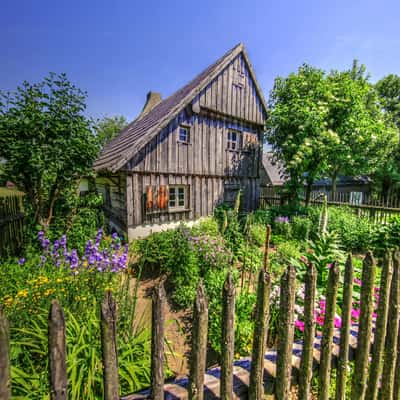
x=119, y=50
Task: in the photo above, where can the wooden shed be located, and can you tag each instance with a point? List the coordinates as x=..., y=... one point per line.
x=184, y=155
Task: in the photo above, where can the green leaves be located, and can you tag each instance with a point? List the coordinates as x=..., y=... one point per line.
x=46, y=140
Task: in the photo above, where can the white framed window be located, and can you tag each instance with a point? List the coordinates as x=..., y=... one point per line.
x=184, y=133
x=234, y=140
x=178, y=197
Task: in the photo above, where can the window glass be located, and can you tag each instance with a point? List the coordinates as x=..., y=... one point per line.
x=177, y=196
x=184, y=134
x=233, y=140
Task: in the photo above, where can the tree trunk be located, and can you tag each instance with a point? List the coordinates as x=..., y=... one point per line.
x=334, y=181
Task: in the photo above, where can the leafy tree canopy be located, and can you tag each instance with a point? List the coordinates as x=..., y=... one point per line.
x=327, y=124
x=109, y=127
x=46, y=140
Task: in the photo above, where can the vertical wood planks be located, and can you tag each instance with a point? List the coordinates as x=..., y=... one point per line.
x=392, y=331
x=228, y=338
x=199, y=345
x=341, y=373
x=359, y=382
x=380, y=329
x=109, y=347
x=327, y=333
x=5, y=378
x=286, y=334
x=306, y=363
x=157, y=342
x=57, y=351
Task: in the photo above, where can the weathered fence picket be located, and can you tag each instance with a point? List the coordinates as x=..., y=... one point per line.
x=306, y=364
x=286, y=334
x=392, y=332
x=347, y=303
x=57, y=353
x=327, y=333
x=199, y=345
x=256, y=386
x=380, y=329
x=228, y=338
x=157, y=342
x=359, y=383
x=109, y=347
x=5, y=379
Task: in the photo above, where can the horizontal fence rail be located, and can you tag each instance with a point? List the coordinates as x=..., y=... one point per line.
x=268, y=370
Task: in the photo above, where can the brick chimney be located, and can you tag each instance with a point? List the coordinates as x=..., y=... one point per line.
x=153, y=98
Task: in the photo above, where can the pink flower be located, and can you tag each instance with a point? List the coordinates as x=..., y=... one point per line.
x=338, y=322
x=299, y=325
x=329, y=265
x=374, y=315
x=357, y=281
x=320, y=320
x=355, y=313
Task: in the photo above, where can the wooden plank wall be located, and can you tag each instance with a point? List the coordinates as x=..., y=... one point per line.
x=204, y=194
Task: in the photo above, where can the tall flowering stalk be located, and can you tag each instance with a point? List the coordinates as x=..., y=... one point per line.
x=323, y=218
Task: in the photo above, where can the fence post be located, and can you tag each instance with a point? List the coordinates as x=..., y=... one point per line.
x=5, y=379
x=256, y=387
x=392, y=329
x=306, y=363
x=199, y=345
x=364, y=328
x=286, y=334
x=327, y=333
x=341, y=373
x=266, y=248
x=228, y=338
x=380, y=329
x=157, y=342
x=57, y=353
x=109, y=347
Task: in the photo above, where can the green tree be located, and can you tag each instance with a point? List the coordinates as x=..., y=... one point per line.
x=46, y=140
x=297, y=126
x=364, y=134
x=388, y=174
x=108, y=127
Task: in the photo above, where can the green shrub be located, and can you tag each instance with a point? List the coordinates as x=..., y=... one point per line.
x=355, y=233
x=257, y=234
x=207, y=226
x=302, y=227
x=263, y=217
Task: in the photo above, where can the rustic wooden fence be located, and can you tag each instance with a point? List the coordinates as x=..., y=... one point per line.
x=11, y=224
x=377, y=209
x=293, y=363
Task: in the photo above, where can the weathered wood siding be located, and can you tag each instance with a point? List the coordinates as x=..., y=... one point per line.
x=207, y=152
x=233, y=93
x=204, y=194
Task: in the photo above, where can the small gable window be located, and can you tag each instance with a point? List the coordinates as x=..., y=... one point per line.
x=177, y=197
x=184, y=134
x=233, y=140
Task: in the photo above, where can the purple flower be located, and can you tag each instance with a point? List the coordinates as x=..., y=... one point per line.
x=21, y=261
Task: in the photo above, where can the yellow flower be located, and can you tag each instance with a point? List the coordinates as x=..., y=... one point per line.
x=8, y=300
x=23, y=293
x=59, y=280
x=48, y=292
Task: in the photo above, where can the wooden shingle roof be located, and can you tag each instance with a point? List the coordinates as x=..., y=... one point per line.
x=139, y=132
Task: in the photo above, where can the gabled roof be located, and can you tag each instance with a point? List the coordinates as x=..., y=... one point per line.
x=139, y=132
x=274, y=169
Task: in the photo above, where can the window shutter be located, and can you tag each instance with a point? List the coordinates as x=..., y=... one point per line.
x=149, y=198
x=162, y=197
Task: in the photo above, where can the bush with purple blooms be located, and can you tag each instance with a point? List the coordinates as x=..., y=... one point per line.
x=76, y=280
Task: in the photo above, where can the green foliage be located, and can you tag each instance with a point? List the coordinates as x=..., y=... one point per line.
x=84, y=362
x=386, y=237
x=257, y=233
x=327, y=124
x=207, y=226
x=109, y=127
x=302, y=226
x=47, y=142
x=355, y=232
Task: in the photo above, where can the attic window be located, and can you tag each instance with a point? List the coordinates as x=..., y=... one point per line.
x=184, y=134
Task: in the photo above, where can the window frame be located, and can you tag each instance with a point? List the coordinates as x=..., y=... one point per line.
x=187, y=128
x=173, y=191
x=237, y=141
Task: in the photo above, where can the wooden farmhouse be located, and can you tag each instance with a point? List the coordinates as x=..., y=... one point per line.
x=184, y=155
